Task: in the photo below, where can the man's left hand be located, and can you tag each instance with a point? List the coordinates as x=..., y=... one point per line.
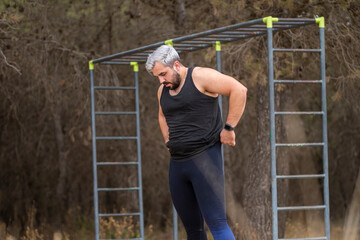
x=227, y=137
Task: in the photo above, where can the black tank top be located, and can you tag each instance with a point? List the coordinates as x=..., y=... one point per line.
x=193, y=118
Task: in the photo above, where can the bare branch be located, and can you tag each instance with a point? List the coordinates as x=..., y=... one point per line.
x=7, y=63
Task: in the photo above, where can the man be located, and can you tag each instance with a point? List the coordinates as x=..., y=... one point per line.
x=190, y=122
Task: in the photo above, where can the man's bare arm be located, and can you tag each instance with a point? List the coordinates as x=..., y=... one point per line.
x=162, y=121
x=213, y=82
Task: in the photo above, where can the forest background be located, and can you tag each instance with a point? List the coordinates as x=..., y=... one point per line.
x=46, y=181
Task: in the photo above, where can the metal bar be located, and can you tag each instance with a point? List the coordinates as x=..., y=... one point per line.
x=220, y=100
x=261, y=28
x=145, y=53
x=218, y=68
x=113, y=88
x=287, y=24
x=298, y=144
x=301, y=208
x=195, y=42
x=118, y=189
x=121, y=239
x=247, y=33
x=292, y=23
x=142, y=57
x=179, y=45
x=116, y=163
x=129, y=60
x=296, y=50
x=116, y=63
x=206, y=33
x=277, y=27
x=297, y=81
x=94, y=157
x=114, y=113
x=324, y=130
x=300, y=176
x=308, y=20
x=116, y=138
x=187, y=48
x=235, y=32
x=299, y=113
x=138, y=143
x=179, y=39
x=311, y=238
x=272, y=133
x=175, y=224
x=118, y=214
x=232, y=36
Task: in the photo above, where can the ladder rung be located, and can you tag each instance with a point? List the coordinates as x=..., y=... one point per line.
x=301, y=208
x=114, y=113
x=295, y=50
x=117, y=163
x=300, y=176
x=299, y=113
x=298, y=144
x=116, y=138
x=297, y=81
x=121, y=239
x=113, y=88
x=118, y=214
x=118, y=189
x=311, y=238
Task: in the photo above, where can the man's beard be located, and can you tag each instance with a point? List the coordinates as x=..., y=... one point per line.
x=176, y=81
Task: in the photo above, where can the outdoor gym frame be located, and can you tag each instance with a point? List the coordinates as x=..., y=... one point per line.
x=203, y=40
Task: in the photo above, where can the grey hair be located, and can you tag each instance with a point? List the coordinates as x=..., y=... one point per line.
x=165, y=54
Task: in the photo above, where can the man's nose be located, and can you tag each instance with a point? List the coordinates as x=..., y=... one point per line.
x=161, y=79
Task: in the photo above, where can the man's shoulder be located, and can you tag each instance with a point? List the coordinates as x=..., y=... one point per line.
x=202, y=72
x=160, y=90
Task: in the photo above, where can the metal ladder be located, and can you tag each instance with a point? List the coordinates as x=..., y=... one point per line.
x=274, y=145
x=94, y=155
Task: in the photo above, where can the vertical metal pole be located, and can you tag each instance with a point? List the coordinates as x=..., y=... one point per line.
x=94, y=158
x=175, y=216
x=175, y=224
x=138, y=142
x=272, y=131
x=324, y=130
x=218, y=68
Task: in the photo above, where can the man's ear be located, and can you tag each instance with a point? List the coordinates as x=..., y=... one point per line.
x=176, y=66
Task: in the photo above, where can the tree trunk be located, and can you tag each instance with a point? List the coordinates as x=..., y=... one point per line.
x=352, y=219
x=179, y=16
x=61, y=184
x=256, y=200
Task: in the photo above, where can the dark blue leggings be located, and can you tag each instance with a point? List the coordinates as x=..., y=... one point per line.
x=197, y=191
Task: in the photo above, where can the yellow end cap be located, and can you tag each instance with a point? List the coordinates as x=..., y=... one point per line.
x=218, y=46
x=269, y=20
x=136, y=66
x=321, y=22
x=169, y=42
x=91, y=65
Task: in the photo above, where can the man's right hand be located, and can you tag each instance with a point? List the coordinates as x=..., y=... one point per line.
x=227, y=137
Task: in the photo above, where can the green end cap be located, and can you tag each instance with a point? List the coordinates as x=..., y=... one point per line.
x=269, y=20
x=91, y=65
x=321, y=22
x=169, y=42
x=218, y=46
x=136, y=66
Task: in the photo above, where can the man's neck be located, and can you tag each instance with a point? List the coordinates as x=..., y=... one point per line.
x=183, y=72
